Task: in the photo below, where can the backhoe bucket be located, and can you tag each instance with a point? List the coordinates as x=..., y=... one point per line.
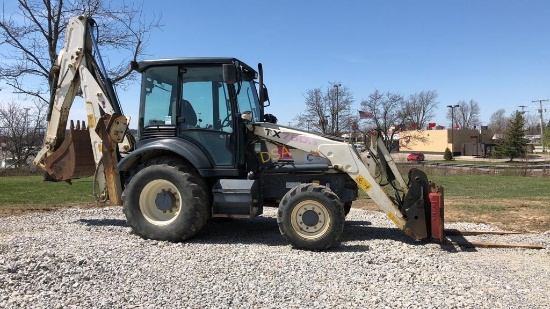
x=74, y=157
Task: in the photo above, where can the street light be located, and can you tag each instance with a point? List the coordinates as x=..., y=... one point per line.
x=336, y=85
x=452, y=107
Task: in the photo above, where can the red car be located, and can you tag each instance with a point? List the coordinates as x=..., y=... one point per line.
x=415, y=156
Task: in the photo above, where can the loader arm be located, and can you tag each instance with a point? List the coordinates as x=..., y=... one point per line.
x=86, y=148
x=406, y=210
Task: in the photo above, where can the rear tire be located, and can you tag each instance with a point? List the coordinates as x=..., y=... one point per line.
x=166, y=200
x=311, y=217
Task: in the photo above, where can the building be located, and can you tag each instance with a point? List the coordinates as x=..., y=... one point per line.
x=460, y=141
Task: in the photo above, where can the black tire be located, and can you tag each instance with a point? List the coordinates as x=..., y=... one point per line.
x=165, y=200
x=322, y=211
x=347, y=208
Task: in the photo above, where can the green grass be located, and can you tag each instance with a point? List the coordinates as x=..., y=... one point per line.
x=490, y=186
x=31, y=191
x=23, y=191
x=482, y=208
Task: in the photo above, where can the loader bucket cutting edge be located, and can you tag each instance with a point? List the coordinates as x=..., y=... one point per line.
x=74, y=157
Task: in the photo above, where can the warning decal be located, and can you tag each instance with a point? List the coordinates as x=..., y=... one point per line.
x=363, y=183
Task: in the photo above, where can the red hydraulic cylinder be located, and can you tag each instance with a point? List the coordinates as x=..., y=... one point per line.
x=437, y=214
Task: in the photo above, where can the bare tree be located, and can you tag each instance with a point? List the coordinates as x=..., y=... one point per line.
x=466, y=115
x=387, y=111
x=33, y=35
x=419, y=108
x=21, y=130
x=322, y=108
x=532, y=123
x=498, y=121
x=315, y=116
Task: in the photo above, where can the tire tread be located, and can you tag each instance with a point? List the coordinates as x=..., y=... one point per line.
x=325, y=242
x=194, y=219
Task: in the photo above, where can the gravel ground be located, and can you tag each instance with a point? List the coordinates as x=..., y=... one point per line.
x=89, y=258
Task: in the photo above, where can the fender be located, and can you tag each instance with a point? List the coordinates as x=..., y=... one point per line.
x=180, y=147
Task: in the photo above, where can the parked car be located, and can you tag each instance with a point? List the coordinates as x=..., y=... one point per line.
x=7, y=163
x=415, y=156
x=360, y=147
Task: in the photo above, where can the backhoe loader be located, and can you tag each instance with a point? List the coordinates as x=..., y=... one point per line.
x=206, y=148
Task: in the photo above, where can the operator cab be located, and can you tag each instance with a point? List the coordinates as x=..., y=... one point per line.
x=199, y=100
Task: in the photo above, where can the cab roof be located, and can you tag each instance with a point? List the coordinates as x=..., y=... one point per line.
x=143, y=65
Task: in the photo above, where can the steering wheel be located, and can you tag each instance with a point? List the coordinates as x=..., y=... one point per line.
x=226, y=121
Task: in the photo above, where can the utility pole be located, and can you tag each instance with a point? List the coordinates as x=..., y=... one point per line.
x=541, y=122
x=452, y=107
x=523, y=108
x=325, y=126
x=337, y=85
x=26, y=118
x=308, y=121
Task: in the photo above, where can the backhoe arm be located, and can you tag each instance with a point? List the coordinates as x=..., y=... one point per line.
x=81, y=152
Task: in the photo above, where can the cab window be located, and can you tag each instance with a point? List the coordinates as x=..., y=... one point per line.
x=247, y=99
x=160, y=96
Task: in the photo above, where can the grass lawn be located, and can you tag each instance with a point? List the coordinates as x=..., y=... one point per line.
x=498, y=187
x=32, y=192
x=490, y=186
x=519, y=203
x=509, y=202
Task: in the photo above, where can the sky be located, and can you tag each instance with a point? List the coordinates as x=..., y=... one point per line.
x=496, y=53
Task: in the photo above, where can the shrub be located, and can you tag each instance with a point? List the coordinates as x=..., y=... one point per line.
x=448, y=156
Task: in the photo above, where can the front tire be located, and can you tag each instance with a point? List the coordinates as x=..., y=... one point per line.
x=166, y=200
x=311, y=217
x=347, y=208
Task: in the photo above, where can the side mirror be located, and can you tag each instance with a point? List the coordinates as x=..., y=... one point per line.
x=229, y=73
x=264, y=96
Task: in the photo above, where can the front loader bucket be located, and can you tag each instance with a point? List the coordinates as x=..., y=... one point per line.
x=74, y=157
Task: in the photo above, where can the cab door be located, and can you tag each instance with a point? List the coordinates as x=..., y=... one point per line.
x=205, y=116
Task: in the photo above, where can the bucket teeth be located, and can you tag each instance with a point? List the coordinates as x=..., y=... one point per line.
x=80, y=125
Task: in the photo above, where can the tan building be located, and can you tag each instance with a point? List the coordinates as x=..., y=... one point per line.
x=436, y=141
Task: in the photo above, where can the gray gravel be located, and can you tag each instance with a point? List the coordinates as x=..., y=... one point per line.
x=89, y=258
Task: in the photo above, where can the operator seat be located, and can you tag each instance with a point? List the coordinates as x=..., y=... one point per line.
x=188, y=115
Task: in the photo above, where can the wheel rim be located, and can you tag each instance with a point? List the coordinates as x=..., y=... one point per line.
x=310, y=219
x=160, y=202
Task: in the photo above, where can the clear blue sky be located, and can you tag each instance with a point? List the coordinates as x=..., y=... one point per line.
x=494, y=52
